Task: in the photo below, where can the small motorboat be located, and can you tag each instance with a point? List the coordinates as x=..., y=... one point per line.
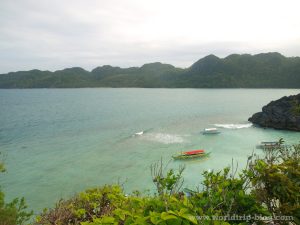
x=211, y=131
x=191, y=154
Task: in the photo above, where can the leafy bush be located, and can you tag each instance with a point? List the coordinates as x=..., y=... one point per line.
x=223, y=194
x=109, y=205
x=169, y=183
x=276, y=181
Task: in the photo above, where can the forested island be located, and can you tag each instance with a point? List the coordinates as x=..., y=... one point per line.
x=265, y=70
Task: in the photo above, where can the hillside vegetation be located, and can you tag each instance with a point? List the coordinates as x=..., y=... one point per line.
x=267, y=70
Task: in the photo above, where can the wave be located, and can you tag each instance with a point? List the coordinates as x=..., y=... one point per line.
x=164, y=138
x=234, y=126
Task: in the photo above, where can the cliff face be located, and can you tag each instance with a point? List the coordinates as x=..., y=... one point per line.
x=282, y=114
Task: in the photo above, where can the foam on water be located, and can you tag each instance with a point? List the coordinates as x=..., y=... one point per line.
x=164, y=138
x=234, y=126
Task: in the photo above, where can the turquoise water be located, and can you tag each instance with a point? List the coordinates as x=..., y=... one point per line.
x=58, y=142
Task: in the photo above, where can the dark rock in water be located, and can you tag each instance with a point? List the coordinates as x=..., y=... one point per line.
x=282, y=114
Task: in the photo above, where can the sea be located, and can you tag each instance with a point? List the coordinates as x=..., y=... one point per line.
x=58, y=142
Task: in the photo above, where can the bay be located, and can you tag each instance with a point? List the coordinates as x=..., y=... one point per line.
x=57, y=142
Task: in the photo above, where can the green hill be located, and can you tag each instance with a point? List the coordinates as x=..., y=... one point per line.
x=266, y=70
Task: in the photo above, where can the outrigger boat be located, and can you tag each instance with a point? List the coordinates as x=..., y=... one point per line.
x=191, y=154
x=268, y=145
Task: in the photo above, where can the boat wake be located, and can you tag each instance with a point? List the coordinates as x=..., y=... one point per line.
x=141, y=133
x=164, y=138
x=234, y=126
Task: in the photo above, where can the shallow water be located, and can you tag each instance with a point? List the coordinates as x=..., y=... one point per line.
x=60, y=141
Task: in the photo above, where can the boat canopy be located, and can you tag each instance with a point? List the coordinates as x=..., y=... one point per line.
x=194, y=152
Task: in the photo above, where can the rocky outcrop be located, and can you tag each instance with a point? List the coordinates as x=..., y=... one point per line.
x=282, y=114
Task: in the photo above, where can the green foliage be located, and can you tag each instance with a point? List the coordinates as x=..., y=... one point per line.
x=268, y=186
x=109, y=205
x=2, y=167
x=224, y=194
x=14, y=212
x=276, y=181
x=270, y=70
x=295, y=109
x=169, y=183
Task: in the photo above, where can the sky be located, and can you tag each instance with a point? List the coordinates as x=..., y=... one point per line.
x=57, y=34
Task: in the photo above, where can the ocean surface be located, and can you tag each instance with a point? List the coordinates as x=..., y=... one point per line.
x=56, y=142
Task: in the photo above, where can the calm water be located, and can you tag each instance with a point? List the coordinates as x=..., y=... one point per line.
x=60, y=141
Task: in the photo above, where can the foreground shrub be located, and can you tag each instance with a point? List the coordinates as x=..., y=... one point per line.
x=109, y=205
x=275, y=181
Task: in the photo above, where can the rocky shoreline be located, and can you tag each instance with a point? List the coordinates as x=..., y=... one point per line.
x=283, y=114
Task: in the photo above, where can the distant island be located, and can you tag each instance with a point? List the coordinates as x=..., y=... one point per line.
x=265, y=70
x=283, y=114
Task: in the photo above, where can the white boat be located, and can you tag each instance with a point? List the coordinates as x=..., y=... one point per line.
x=211, y=131
x=139, y=133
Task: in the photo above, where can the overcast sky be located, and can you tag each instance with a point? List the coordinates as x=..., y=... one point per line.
x=55, y=34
